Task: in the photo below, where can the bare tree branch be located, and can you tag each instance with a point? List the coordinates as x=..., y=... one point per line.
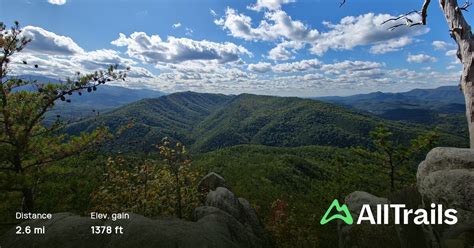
x=424, y=11
x=465, y=6
x=401, y=16
x=408, y=21
x=342, y=3
x=404, y=24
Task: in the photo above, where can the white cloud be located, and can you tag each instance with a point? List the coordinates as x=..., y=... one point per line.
x=205, y=66
x=189, y=32
x=60, y=57
x=297, y=66
x=421, y=58
x=176, y=25
x=152, y=49
x=285, y=50
x=277, y=24
x=269, y=4
x=213, y=13
x=62, y=66
x=442, y=45
x=452, y=53
x=100, y=59
x=367, y=29
x=57, y=2
x=47, y=42
x=452, y=67
x=350, y=32
x=354, y=70
x=260, y=67
x=302, y=78
x=391, y=45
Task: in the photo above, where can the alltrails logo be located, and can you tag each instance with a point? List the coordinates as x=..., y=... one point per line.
x=401, y=215
x=347, y=217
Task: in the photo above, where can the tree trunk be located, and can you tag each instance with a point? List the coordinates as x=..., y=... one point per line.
x=461, y=33
x=179, y=212
x=392, y=179
x=28, y=202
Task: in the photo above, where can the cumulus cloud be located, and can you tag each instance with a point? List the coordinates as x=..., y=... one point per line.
x=57, y=2
x=354, y=69
x=367, y=29
x=297, y=66
x=276, y=24
x=442, y=45
x=452, y=53
x=285, y=50
x=47, y=42
x=350, y=32
x=59, y=57
x=269, y=4
x=309, y=77
x=101, y=59
x=152, y=49
x=260, y=67
x=420, y=58
x=303, y=78
x=391, y=45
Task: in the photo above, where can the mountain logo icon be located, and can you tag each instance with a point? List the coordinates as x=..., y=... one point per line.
x=346, y=216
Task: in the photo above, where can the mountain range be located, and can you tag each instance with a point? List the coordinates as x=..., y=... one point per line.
x=445, y=99
x=442, y=108
x=207, y=122
x=105, y=98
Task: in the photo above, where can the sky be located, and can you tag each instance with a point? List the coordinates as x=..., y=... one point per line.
x=274, y=47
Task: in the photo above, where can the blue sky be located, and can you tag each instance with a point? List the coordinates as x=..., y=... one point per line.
x=277, y=47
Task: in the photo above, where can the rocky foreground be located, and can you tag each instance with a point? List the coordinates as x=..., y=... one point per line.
x=445, y=177
x=224, y=220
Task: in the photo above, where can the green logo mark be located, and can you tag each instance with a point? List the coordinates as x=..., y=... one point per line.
x=335, y=204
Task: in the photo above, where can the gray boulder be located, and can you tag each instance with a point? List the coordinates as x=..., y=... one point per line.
x=365, y=235
x=224, y=221
x=447, y=177
x=239, y=208
x=211, y=182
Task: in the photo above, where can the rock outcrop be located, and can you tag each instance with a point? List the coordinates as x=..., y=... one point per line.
x=211, y=182
x=365, y=235
x=223, y=221
x=445, y=177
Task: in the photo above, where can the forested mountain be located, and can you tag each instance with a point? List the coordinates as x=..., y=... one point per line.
x=105, y=98
x=445, y=99
x=441, y=108
x=208, y=122
x=146, y=121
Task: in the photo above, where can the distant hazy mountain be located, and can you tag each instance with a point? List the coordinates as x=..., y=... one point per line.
x=107, y=97
x=208, y=122
x=441, y=108
x=445, y=99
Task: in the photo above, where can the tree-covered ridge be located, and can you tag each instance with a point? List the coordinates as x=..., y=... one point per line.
x=149, y=120
x=442, y=108
x=206, y=122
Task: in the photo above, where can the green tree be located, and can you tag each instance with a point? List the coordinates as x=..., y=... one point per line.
x=26, y=144
x=176, y=158
x=147, y=186
x=392, y=155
